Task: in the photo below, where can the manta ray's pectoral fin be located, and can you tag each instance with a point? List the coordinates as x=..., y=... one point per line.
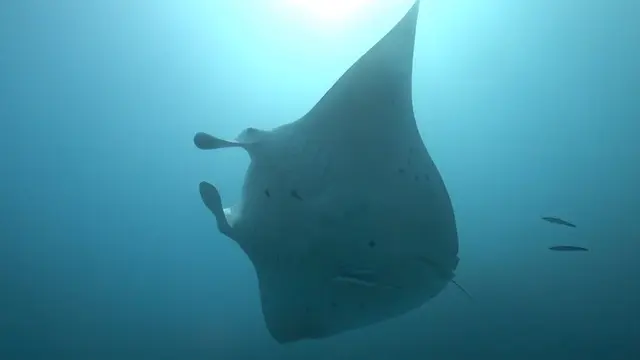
x=212, y=200
x=205, y=141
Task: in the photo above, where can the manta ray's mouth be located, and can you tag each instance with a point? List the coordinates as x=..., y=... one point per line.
x=362, y=277
x=355, y=280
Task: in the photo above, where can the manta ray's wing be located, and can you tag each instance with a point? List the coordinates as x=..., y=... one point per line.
x=378, y=86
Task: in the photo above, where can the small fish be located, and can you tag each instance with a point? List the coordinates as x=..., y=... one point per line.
x=567, y=248
x=556, y=220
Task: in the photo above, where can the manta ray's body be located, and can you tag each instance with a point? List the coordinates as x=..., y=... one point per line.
x=343, y=213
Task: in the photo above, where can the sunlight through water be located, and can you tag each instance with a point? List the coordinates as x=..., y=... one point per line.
x=329, y=15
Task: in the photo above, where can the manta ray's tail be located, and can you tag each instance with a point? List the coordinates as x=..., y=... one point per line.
x=462, y=289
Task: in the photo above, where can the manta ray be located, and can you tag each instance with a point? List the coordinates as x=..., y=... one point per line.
x=343, y=214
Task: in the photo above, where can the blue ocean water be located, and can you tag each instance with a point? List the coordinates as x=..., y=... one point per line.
x=528, y=108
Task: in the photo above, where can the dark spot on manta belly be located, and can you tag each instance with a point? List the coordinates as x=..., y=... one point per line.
x=416, y=177
x=372, y=244
x=295, y=194
x=401, y=170
x=266, y=192
x=334, y=305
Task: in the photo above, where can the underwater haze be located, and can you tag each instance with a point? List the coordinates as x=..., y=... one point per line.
x=529, y=109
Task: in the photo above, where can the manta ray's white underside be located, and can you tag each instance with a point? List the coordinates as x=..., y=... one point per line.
x=343, y=213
